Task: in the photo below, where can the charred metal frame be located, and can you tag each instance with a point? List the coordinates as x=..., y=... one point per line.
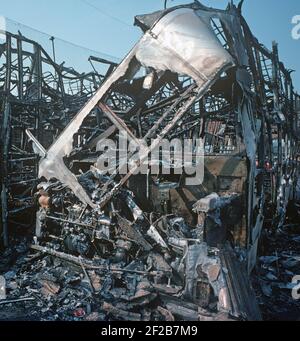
x=241, y=111
x=220, y=84
x=39, y=97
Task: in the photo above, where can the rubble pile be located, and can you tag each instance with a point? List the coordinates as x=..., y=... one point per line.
x=273, y=280
x=93, y=265
x=50, y=290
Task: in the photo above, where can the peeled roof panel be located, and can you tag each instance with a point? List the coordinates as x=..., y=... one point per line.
x=184, y=43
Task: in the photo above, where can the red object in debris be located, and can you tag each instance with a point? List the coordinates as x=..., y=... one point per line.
x=79, y=312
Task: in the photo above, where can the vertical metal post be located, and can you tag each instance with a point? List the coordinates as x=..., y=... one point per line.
x=53, y=49
x=5, y=137
x=276, y=76
x=37, y=79
x=20, y=68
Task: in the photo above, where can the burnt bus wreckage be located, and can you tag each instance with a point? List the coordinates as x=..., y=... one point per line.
x=162, y=248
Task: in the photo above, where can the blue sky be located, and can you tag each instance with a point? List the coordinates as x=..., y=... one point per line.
x=110, y=29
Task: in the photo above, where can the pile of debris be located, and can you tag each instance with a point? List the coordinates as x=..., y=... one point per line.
x=103, y=266
x=45, y=288
x=275, y=272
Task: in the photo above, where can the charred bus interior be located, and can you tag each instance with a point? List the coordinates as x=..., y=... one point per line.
x=149, y=246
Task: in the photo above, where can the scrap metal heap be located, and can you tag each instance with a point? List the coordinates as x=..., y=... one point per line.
x=156, y=246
